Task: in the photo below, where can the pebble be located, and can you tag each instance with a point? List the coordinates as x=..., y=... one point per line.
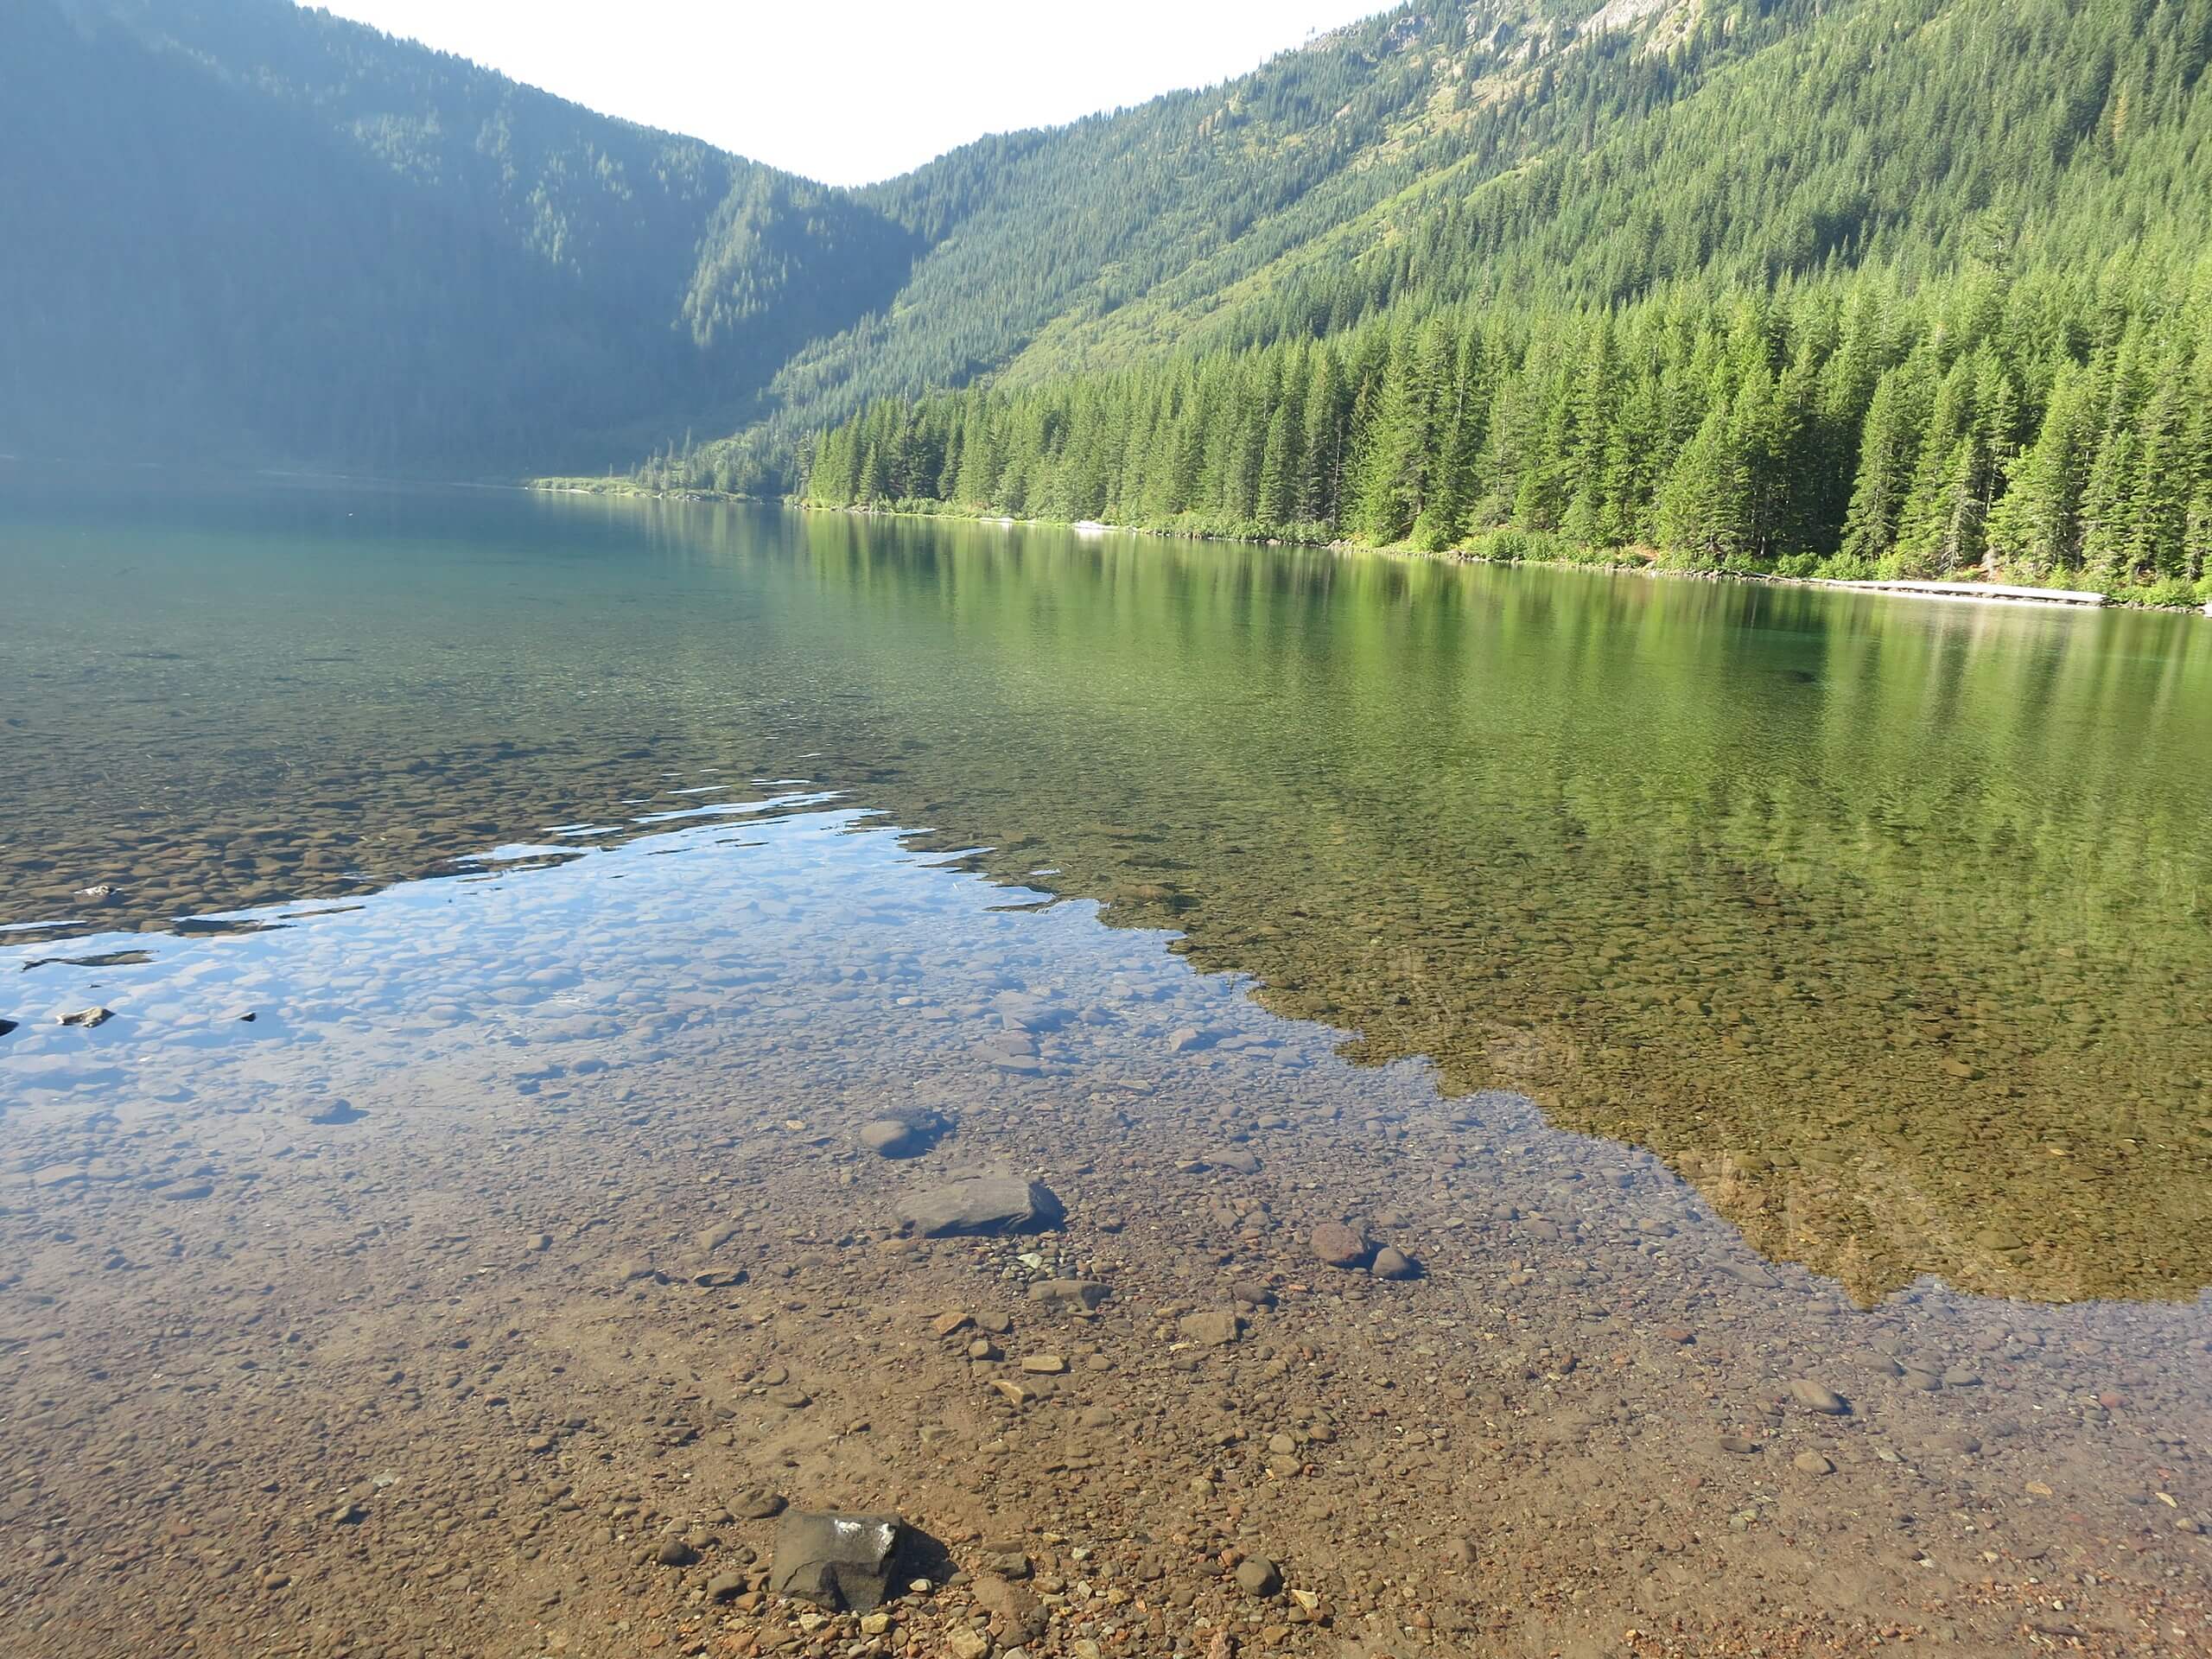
x=85, y=1019
x=1258, y=1576
x=1044, y=1364
x=1812, y=1463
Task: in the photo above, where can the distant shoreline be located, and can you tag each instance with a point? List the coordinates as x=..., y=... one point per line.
x=1634, y=562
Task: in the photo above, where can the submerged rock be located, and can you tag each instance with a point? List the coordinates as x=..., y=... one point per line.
x=901, y=1134
x=86, y=1018
x=1340, y=1246
x=1395, y=1264
x=1214, y=1330
x=987, y=1202
x=1076, y=1292
x=839, y=1561
x=1814, y=1396
x=888, y=1135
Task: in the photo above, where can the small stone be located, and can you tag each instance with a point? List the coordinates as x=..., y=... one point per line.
x=875, y=1624
x=757, y=1504
x=1815, y=1397
x=675, y=1552
x=1213, y=1329
x=1393, y=1264
x=1338, y=1245
x=1812, y=1463
x=1237, y=1160
x=946, y=1324
x=964, y=1643
x=724, y=1586
x=1044, y=1364
x=86, y=1019
x=1737, y=1444
x=1258, y=1576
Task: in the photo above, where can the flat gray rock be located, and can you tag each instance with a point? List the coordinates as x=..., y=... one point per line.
x=837, y=1561
x=987, y=1202
x=1080, y=1292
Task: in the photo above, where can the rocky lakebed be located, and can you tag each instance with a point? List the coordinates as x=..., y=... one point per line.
x=751, y=1239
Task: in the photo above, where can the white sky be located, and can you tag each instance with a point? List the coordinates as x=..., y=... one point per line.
x=852, y=91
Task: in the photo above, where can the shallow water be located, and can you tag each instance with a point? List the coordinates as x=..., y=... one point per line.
x=1885, y=923
x=1596, y=938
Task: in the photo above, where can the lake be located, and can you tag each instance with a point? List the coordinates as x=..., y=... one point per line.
x=1709, y=988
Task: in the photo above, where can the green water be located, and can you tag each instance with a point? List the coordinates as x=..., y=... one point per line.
x=1886, y=922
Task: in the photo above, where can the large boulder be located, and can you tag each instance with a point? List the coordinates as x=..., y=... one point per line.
x=837, y=1561
x=984, y=1201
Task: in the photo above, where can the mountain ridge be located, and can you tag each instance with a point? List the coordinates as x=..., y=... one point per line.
x=317, y=244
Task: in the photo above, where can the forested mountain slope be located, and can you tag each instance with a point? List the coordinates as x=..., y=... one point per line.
x=1883, y=286
x=241, y=230
x=1120, y=233
x=1852, y=284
